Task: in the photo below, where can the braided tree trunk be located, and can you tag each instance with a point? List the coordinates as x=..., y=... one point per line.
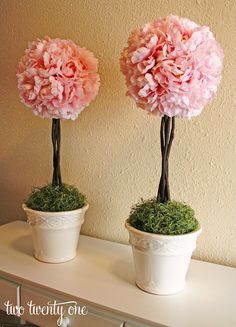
x=56, y=142
x=167, y=136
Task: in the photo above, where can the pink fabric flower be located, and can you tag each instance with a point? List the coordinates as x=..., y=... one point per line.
x=57, y=78
x=172, y=67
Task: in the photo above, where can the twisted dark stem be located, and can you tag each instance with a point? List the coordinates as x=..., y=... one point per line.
x=166, y=136
x=56, y=142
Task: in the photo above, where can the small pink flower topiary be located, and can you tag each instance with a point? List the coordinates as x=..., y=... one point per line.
x=172, y=66
x=57, y=78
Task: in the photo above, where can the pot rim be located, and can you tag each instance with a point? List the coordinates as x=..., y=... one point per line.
x=162, y=236
x=56, y=213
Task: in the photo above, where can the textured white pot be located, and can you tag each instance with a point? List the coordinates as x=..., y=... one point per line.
x=55, y=234
x=161, y=261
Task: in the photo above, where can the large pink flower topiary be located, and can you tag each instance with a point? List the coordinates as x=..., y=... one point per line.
x=57, y=78
x=172, y=67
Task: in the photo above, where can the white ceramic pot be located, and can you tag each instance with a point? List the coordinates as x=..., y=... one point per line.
x=161, y=261
x=55, y=234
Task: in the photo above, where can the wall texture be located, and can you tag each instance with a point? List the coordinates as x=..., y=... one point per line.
x=112, y=151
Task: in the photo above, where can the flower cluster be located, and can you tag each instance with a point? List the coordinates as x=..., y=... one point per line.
x=57, y=78
x=172, y=67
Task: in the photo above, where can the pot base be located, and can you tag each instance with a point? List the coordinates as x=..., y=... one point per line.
x=52, y=260
x=159, y=292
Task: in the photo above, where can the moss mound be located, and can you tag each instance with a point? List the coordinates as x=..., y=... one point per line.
x=171, y=218
x=55, y=198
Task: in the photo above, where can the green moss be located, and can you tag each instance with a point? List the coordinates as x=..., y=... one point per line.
x=171, y=218
x=55, y=198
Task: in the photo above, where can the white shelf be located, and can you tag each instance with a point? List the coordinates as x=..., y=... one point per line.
x=102, y=275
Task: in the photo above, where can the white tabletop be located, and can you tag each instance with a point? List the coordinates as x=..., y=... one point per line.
x=103, y=274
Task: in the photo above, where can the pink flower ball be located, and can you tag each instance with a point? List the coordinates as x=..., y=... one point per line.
x=172, y=67
x=57, y=78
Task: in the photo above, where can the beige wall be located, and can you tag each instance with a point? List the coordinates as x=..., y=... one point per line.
x=112, y=151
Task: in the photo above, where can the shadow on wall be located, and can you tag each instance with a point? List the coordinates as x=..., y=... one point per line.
x=20, y=166
x=12, y=191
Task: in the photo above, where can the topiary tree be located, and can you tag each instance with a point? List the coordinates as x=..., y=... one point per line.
x=57, y=79
x=172, y=68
